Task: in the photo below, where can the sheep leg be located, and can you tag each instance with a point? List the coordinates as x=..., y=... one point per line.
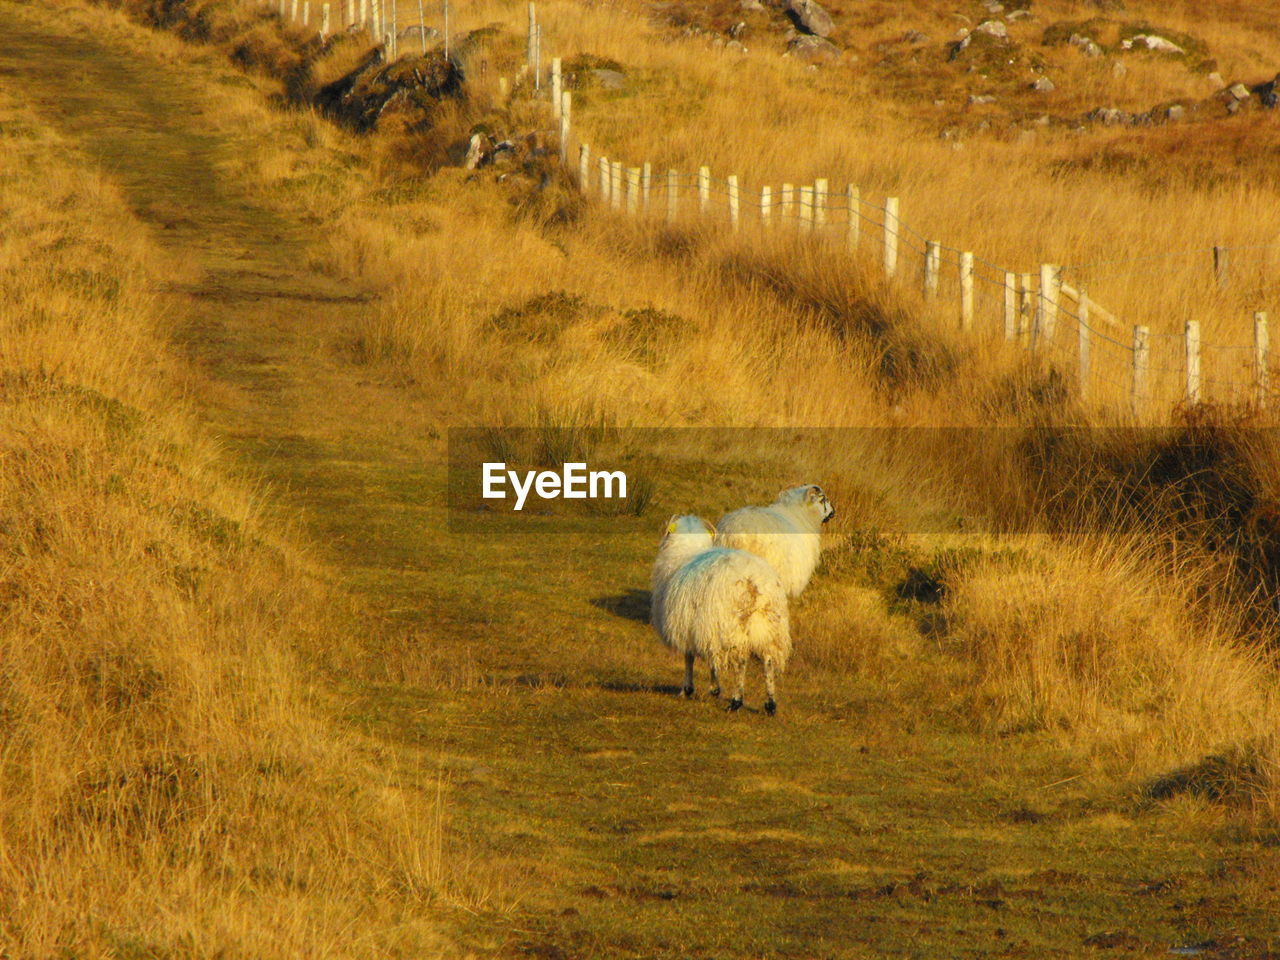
x=770, y=704
x=688, y=675
x=741, y=665
x=715, y=681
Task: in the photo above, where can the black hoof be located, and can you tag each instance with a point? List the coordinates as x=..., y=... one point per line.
x=735, y=704
x=770, y=707
x=687, y=692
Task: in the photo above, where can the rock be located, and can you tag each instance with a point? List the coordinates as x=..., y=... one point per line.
x=915, y=36
x=1269, y=92
x=1239, y=91
x=1043, y=85
x=751, y=5
x=1176, y=112
x=1118, y=69
x=736, y=46
x=1216, y=81
x=418, y=33
x=1233, y=106
x=609, y=79
x=812, y=49
x=993, y=28
x=1088, y=46
x=737, y=30
x=1110, y=116
x=1015, y=15
x=479, y=152
x=1151, y=42
x=993, y=8
x=1042, y=120
x=979, y=99
x=810, y=17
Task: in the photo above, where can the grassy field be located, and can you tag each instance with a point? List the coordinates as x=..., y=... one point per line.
x=291, y=714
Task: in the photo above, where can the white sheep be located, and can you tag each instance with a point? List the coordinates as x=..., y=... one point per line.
x=724, y=606
x=787, y=533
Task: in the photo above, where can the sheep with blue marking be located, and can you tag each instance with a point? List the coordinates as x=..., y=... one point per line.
x=720, y=605
x=787, y=533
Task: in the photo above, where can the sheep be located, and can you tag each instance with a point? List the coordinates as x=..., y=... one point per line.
x=724, y=606
x=786, y=533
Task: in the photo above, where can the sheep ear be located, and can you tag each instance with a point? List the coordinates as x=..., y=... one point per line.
x=671, y=524
x=711, y=527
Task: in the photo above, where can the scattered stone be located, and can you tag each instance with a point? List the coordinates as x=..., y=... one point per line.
x=812, y=49
x=418, y=33
x=1042, y=120
x=939, y=103
x=1110, y=116
x=1176, y=112
x=738, y=29
x=1015, y=15
x=1239, y=91
x=1269, y=92
x=1151, y=42
x=1118, y=69
x=1043, y=85
x=979, y=99
x=993, y=7
x=1088, y=46
x=751, y=5
x=915, y=36
x=609, y=79
x=1233, y=106
x=810, y=17
x=736, y=46
x=1216, y=81
x=993, y=28
x=479, y=152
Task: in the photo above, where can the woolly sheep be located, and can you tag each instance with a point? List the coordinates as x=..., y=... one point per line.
x=724, y=606
x=786, y=533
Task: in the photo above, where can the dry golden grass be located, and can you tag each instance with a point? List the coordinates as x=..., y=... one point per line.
x=169, y=784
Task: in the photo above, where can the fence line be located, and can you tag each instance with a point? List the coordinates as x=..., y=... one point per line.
x=1030, y=306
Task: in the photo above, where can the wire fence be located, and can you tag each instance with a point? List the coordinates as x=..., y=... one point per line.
x=1047, y=312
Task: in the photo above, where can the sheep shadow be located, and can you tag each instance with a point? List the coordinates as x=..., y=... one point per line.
x=633, y=686
x=632, y=605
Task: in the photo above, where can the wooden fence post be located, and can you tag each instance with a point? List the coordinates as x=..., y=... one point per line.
x=633, y=191
x=1082, y=371
x=786, y=200
x=1010, y=306
x=1192, y=343
x=1141, y=361
x=293, y=11
x=1025, y=307
x=306, y=13
x=646, y=184
x=966, y=291
x=854, y=200
x=1261, y=347
x=1220, y=266
x=806, y=209
x=324, y=20
x=704, y=189
x=615, y=184
x=1047, y=308
x=733, y=201
x=566, y=114
x=528, y=49
x=446, y=32
x=890, y=236
x=605, y=176
x=932, y=264
x=537, y=56
x=820, y=187
x=364, y=11
x=584, y=168
x=673, y=195
x=766, y=205
x=555, y=87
